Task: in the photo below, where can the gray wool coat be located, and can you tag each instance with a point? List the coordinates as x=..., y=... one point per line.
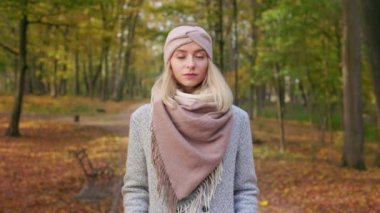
x=237, y=192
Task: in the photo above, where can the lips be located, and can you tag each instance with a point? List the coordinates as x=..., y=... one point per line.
x=190, y=74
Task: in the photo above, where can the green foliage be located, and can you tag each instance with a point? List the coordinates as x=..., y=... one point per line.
x=299, y=113
x=268, y=152
x=59, y=109
x=3, y=63
x=371, y=132
x=295, y=112
x=302, y=37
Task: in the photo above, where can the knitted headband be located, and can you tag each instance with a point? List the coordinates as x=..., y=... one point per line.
x=184, y=35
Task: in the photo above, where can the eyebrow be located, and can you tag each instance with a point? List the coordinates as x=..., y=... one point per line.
x=196, y=51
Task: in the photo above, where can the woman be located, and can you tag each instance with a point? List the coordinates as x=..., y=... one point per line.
x=190, y=150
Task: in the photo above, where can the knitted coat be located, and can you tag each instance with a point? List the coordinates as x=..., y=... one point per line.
x=237, y=192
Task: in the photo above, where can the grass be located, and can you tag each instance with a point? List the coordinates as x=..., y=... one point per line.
x=299, y=113
x=66, y=105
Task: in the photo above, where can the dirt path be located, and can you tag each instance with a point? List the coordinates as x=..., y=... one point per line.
x=115, y=123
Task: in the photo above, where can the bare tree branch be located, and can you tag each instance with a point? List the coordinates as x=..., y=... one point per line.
x=8, y=49
x=50, y=24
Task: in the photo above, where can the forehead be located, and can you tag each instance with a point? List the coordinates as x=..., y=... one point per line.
x=190, y=47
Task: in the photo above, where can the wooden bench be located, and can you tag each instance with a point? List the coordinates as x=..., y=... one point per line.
x=100, y=182
x=91, y=173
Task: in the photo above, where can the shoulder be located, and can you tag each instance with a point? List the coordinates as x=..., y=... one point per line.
x=239, y=114
x=141, y=113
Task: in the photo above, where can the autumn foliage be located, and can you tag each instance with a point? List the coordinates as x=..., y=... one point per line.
x=37, y=173
x=307, y=177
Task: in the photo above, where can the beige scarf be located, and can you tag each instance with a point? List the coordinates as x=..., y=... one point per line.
x=188, y=145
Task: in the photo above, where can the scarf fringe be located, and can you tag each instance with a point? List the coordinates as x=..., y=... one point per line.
x=164, y=186
x=204, y=192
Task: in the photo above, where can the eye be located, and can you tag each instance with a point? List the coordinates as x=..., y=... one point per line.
x=200, y=56
x=180, y=57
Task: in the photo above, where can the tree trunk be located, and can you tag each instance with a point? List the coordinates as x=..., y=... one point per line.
x=132, y=86
x=63, y=78
x=104, y=60
x=329, y=122
x=120, y=62
x=16, y=69
x=253, y=55
x=105, y=89
x=131, y=20
x=236, y=51
x=127, y=59
x=219, y=35
x=89, y=72
x=53, y=83
x=214, y=16
x=86, y=78
x=92, y=77
x=305, y=101
x=353, y=120
x=110, y=13
x=62, y=87
x=38, y=86
x=371, y=17
x=251, y=101
x=280, y=90
x=13, y=129
x=260, y=98
x=76, y=70
x=322, y=124
x=28, y=87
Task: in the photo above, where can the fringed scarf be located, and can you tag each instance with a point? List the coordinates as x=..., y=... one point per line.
x=188, y=145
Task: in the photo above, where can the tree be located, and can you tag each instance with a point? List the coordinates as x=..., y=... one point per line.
x=235, y=50
x=371, y=17
x=215, y=17
x=280, y=102
x=13, y=128
x=130, y=24
x=307, y=57
x=110, y=11
x=256, y=86
x=29, y=13
x=351, y=61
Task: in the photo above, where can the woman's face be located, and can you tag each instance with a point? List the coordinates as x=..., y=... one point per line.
x=189, y=64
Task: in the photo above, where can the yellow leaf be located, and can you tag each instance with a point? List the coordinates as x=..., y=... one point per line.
x=264, y=203
x=286, y=190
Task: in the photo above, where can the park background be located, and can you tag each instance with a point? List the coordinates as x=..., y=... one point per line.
x=306, y=71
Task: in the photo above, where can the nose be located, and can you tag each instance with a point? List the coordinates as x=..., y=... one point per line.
x=190, y=63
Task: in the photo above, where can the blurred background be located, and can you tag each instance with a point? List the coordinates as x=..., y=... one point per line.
x=72, y=72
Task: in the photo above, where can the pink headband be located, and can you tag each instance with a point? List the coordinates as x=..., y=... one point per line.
x=186, y=34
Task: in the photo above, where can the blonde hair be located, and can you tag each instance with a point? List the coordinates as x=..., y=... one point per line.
x=165, y=87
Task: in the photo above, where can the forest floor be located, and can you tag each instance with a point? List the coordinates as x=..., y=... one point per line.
x=37, y=173
x=307, y=176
